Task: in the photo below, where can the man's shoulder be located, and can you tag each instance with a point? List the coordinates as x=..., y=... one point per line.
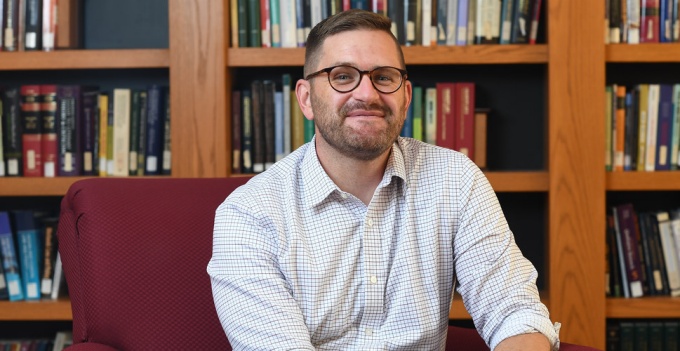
x=421, y=155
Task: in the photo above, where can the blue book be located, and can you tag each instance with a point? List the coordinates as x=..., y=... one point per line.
x=155, y=129
x=675, y=135
x=665, y=26
x=28, y=244
x=506, y=21
x=663, y=136
x=278, y=125
x=462, y=22
x=9, y=260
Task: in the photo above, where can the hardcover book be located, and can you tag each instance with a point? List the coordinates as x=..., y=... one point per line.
x=12, y=131
x=167, y=146
x=154, y=129
x=48, y=112
x=121, y=132
x=32, y=25
x=464, y=117
x=68, y=130
x=28, y=244
x=88, y=133
x=268, y=91
x=665, y=122
x=49, y=255
x=625, y=229
x=446, y=123
x=10, y=263
x=31, y=136
x=247, y=136
x=236, y=132
x=257, y=91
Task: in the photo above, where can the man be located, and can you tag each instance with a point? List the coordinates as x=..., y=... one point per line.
x=355, y=240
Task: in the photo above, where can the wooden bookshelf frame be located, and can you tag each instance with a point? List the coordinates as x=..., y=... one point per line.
x=641, y=53
x=644, y=307
x=84, y=59
x=42, y=310
x=643, y=181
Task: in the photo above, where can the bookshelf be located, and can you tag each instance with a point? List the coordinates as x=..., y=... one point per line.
x=203, y=68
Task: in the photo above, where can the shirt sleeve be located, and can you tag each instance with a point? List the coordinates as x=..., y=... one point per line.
x=253, y=301
x=496, y=282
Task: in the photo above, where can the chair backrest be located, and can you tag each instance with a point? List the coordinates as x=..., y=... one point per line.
x=135, y=253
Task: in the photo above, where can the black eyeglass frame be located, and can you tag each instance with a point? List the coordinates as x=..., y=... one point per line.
x=327, y=70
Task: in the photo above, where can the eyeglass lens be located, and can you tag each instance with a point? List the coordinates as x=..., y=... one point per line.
x=347, y=78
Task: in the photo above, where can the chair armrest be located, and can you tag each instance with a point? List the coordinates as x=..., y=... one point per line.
x=90, y=346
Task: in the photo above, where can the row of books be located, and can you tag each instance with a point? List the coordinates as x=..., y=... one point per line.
x=641, y=21
x=649, y=335
x=643, y=127
x=267, y=123
x=31, y=265
x=643, y=252
x=61, y=340
x=34, y=24
x=72, y=130
x=287, y=23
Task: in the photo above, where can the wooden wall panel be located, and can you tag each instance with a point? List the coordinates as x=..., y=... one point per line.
x=198, y=93
x=576, y=169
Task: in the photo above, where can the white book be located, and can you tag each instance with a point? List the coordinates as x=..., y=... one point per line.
x=121, y=132
x=472, y=21
x=288, y=23
x=633, y=19
x=315, y=12
x=58, y=278
x=430, y=130
x=427, y=22
x=451, y=21
x=670, y=254
x=652, y=121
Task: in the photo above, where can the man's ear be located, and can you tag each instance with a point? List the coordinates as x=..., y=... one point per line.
x=303, y=93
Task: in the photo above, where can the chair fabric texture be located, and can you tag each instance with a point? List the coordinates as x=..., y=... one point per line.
x=135, y=253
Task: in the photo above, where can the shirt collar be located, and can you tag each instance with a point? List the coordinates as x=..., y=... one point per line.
x=317, y=185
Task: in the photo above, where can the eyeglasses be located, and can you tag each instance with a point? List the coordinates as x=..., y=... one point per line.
x=344, y=79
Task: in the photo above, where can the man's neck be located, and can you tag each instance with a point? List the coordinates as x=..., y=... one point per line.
x=357, y=177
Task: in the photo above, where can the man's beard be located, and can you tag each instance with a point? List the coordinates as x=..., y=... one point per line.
x=348, y=142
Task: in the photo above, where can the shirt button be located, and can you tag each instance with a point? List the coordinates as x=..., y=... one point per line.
x=369, y=331
x=344, y=196
x=370, y=222
x=374, y=279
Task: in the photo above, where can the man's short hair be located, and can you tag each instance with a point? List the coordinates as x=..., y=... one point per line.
x=342, y=22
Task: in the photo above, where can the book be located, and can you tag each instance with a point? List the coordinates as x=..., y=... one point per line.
x=88, y=132
x=624, y=223
x=407, y=127
x=675, y=128
x=121, y=131
x=59, y=281
x=242, y=15
x=257, y=91
x=10, y=33
x=642, y=126
x=10, y=263
x=48, y=141
x=49, y=24
x=614, y=278
x=521, y=19
x=664, y=125
x=615, y=22
x=631, y=125
x=441, y=22
x=288, y=101
x=69, y=27
x=445, y=116
x=28, y=245
x=31, y=136
x=462, y=22
x=671, y=334
x=49, y=229
x=135, y=112
x=141, y=129
x=103, y=111
x=506, y=21
x=154, y=129
x=297, y=122
x=652, y=123
x=68, y=129
x=654, y=283
x=166, y=166
x=254, y=26
x=620, y=128
x=247, y=136
x=609, y=108
x=417, y=103
x=464, y=118
x=633, y=22
x=236, y=132
x=275, y=20
x=649, y=21
x=268, y=114
x=4, y=293
x=670, y=253
x=265, y=24
x=11, y=128
x=33, y=25
x=654, y=235
x=430, y=116
x=480, y=137
x=278, y=126
x=535, y=18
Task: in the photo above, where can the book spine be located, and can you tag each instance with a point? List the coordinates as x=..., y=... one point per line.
x=68, y=105
x=49, y=24
x=243, y=25
x=426, y=23
x=154, y=130
x=275, y=14
x=619, y=130
x=675, y=127
x=633, y=24
x=236, y=132
x=69, y=33
x=395, y=10
x=90, y=97
x=4, y=292
x=166, y=167
x=234, y=23
x=430, y=120
x=9, y=259
x=289, y=24
x=254, y=35
x=669, y=252
x=121, y=131
x=472, y=21
x=31, y=135
x=288, y=100
x=103, y=133
x=506, y=21
x=265, y=24
x=28, y=244
x=417, y=113
x=278, y=125
x=462, y=22
x=520, y=22
x=652, y=123
x=451, y=21
x=32, y=26
x=49, y=256
x=663, y=136
x=480, y=138
x=535, y=18
x=257, y=91
x=11, y=25
x=631, y=125
x=446, y=124
x=647, y=253
x=649, y=17
x=297, y=131
x=142, y=125
x=642, y=126
x=407, y=128
x=247, y=148
x=12, y=132
x=135, y=112
x=268, y=91
x=625, y=229
x=412, y=22
x=465, y=118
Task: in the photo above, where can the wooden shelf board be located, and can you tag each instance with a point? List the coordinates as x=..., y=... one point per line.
x=57, y=186
x=652, y=53
x=644, y=307
x=85, y=59
x=639, y=181
x=59, y=310
x=518, y=181
x=414, y=55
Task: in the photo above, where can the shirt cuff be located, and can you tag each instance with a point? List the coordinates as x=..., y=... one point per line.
x=518, y=325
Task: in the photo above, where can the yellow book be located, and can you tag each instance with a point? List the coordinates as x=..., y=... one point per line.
x=103, y=133
x=297, y=122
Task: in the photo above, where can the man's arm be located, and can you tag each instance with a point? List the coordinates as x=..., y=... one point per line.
x=252, y=298
x=497, y=283
x=524, y=342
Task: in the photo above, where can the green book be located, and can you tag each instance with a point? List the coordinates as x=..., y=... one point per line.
x=309, y=130
x=275, y=23
x=134, y=132
x=254, y=30
x=417, y=113
x=242, y=6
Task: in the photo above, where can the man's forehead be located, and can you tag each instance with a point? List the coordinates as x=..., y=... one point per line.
x=337, y=49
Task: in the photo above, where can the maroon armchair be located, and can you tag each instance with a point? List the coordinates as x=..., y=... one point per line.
x=135, y=253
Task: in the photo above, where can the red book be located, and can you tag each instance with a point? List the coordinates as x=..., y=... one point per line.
x=48, y=111
x=464, y=117
x=446, y=128
x=649, y=21
x=32, y=131
x=265, y=24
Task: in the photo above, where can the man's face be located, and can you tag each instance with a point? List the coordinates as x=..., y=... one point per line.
x=361, y=124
